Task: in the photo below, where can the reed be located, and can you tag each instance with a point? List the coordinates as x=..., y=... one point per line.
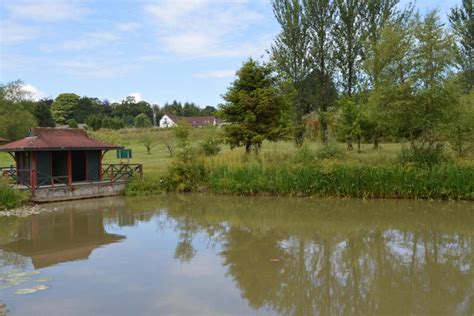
x=341, y=180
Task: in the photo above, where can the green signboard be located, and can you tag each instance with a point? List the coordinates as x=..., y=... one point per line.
x=124, y=153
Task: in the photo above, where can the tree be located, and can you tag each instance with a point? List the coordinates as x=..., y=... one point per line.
x=142, y=121
x=148, y=140
x=86, y=107
x=461, y=129
x=42, y=113
x=433, y=59
x=349, y=36
x=388, y=62
x=462, y=23
x=290, y=53
x=94, y=122
x=128, y=109
x=253, y=108
x=63, y=107
x=319, y=86
x=15, y=119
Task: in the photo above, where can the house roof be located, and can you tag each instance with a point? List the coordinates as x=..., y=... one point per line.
x=57, y=139
x=195, y=120
x=3, y=140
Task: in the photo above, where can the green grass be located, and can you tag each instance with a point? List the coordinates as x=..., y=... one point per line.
x=283, y=169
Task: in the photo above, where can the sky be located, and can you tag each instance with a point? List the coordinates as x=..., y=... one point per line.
x=157, y=51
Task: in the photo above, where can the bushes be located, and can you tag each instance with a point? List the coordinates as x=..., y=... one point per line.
x=330, y=151
x=210, y=147
x=148, y=185
x=9, y=197
x=424, y=155
x=395, y=181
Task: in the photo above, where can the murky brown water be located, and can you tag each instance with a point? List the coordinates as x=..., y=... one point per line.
x=214, y=255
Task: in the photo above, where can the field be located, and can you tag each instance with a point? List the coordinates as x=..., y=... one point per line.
x=281, y=168
x=157, y=162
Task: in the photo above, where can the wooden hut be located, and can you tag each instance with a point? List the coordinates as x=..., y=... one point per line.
x=56, y=158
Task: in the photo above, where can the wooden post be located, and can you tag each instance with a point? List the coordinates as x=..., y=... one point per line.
x=69, y=168
x=100, y=165
x=33, y=175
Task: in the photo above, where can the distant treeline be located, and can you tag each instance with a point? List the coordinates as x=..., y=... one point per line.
x=18, y=112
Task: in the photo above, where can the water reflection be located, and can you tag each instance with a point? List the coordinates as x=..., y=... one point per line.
x=285, y=256
x=57, y=237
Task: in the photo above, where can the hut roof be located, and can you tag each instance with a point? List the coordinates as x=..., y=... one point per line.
x=57, y=139
x=196, y=120
x=3, y=140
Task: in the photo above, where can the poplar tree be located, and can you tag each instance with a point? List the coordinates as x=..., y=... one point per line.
x=291, y=53
x=462, y=24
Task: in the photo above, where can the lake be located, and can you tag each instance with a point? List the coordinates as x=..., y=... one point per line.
x=202, y=254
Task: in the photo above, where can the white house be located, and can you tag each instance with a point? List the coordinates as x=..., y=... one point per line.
x=169, y=120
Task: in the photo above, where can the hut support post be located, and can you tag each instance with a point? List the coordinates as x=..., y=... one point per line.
x=69, y=168
x=33, y=175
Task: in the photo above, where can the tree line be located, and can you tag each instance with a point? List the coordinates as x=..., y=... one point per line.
x=18, y=112
x=360, y=70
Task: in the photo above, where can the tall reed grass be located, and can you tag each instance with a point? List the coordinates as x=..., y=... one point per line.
x=391, y=181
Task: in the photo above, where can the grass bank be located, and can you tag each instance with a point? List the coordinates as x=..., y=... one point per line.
x=391, y=181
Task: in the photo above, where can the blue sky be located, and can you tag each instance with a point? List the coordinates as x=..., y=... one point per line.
x=158, y=51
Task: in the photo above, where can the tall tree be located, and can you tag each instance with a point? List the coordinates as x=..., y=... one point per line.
x=433, y=60
x=63, y=106
x=291, y=52
x=42, y=113
x=387, y=63
x=15, y=119
x=349, y=35
x=320, y=15
x=253, y=108
x=462, y=23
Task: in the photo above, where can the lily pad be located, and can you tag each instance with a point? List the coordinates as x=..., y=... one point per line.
x=32, y=290
x=44, y=279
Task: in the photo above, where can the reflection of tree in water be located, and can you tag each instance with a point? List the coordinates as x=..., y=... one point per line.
x=306, y=266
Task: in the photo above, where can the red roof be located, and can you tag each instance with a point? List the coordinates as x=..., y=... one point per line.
x=57, y=139
x=196, y=121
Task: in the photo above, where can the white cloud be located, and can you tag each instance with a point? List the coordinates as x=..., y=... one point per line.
x=127, y=26
x=12, y=33
x=95, y=69
x=137, y=95
x=215, y=74
x=33, y=92
x=206, y=28
x=91, y=40
x=45, y=11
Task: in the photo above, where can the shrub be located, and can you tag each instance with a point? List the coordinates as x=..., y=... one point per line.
x=187, y=173
x=210, y=147
x=72, y=123
x=330, y=151
x=424, y=155
x=148, y=185
x=9, y=197
x=304, y=155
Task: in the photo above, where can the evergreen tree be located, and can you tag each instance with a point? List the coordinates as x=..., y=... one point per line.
x=253, y=108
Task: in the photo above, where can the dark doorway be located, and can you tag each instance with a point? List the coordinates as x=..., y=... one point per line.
x=59, y=161
x=78, y=166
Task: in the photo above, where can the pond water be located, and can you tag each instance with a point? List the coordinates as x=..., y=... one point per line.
x=220, y=255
